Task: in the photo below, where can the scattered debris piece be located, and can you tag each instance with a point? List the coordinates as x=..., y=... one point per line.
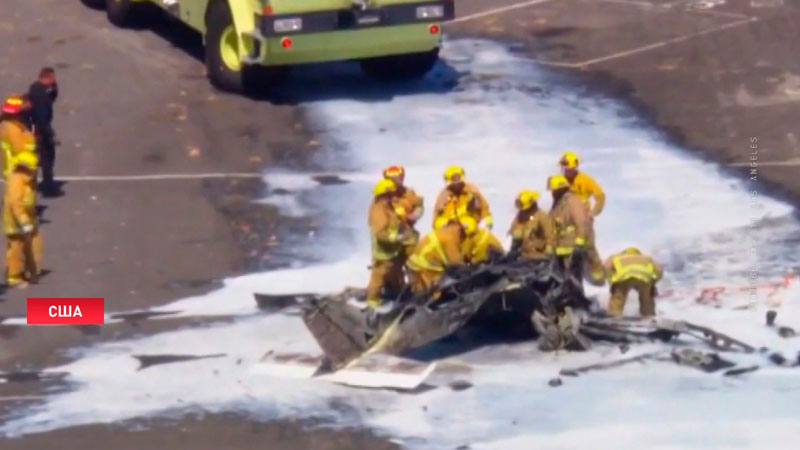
x=146, y=361
x=771, y=314
x=329, y=179
x=707, y=362
x=786, y=332
x=279, y=302
x=778, y=359
x=783, y=331
x=555, y=382
x=27, y=376
x=460, y=385
x=136, y=316
x=740, y=371
x=574, y=372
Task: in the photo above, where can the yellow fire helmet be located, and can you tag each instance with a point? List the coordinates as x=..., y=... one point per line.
x=469, y=224
x=394, y=172
x=454, y=174
x=569, y=160
x=632, y=251
x=385, y=186
x=557, y=182
x=27, y=159
x=13, y=105
x=526, y=199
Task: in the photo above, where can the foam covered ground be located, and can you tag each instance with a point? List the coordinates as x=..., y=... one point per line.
x=506, y=121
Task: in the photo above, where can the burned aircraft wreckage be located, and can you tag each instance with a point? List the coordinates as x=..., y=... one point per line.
x=505, y=298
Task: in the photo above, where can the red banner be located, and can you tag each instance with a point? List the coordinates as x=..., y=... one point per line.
x=65, y=311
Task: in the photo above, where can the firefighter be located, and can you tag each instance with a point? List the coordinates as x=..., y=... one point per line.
x=408, y=205
x=459, y=199
x=571, y=226
x=21, y=224
x=481, y=247
x=15, y=136
x=389, y=232
x=586, y=188
x=438, y=250
x=631, y=270
x=582, y=184
x=531, y=230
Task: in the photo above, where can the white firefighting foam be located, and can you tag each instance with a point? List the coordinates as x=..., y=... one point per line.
x=506, y=121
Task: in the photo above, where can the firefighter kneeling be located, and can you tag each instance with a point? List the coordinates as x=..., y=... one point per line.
x=20, y=223
x=438, y=250
x=481, y=246
x=631, y=270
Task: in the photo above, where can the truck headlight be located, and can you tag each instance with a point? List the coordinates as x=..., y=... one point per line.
x=287, y=25
x=430, y=12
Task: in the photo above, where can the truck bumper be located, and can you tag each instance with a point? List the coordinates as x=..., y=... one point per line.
x=347, y=34
x=347, y=45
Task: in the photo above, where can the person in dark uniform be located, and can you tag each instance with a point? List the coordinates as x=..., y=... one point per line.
x=42, y=95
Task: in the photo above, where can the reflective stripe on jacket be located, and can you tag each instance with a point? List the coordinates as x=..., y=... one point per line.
x=478, y=246
x=19, y=205
x=437, y=250
x=15, y=138
x=533, y=234
x=623, y=267
x=449, y=206
x=384, y=225
x=571, y=221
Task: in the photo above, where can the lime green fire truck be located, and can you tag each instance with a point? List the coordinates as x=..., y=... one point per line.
x=248, y=42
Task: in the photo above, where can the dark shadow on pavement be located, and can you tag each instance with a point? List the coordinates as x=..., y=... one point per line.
x=94, y=4
x=344, y=80
x=56, y=191
x=173, y=31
